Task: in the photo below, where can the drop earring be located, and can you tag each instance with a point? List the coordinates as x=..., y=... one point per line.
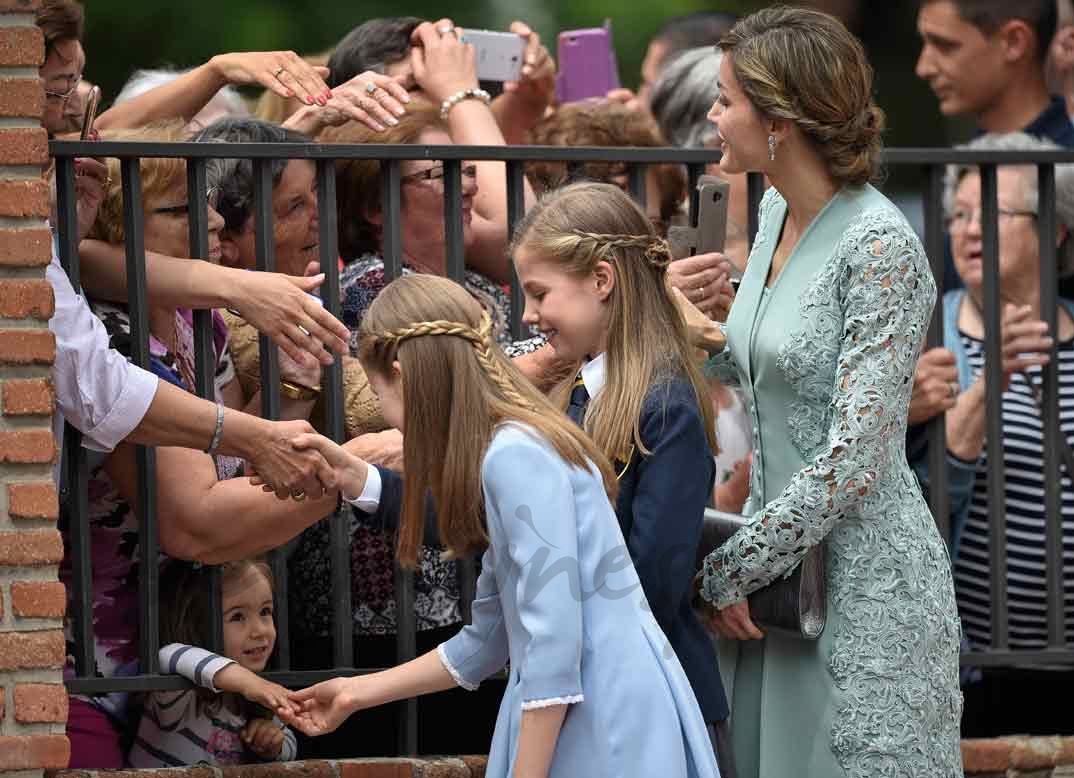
x=772, y=148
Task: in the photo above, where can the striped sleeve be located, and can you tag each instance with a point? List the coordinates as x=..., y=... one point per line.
x=195, y=664
x=289, y=751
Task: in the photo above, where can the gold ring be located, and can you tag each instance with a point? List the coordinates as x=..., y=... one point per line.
x=278, y=71
x=298, y=496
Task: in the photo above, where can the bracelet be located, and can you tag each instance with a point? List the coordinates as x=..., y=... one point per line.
x=218, y=432
x=296, y=391
x=465, y=94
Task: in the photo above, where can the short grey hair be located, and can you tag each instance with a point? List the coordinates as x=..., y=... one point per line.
x=142, y=81
x=683, y=96
x=1064, y=184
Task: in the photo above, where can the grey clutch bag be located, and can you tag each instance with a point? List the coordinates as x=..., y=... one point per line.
x=795, y=604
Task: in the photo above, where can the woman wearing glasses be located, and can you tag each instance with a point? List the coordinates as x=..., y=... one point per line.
x=204, y=512
x=998, y=702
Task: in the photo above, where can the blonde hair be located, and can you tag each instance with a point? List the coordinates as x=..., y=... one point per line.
x=457, y=387
x=586, y=223
x=159, y=175
x=804, y=66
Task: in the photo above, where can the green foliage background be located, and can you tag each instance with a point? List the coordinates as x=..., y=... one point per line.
x=123, y=35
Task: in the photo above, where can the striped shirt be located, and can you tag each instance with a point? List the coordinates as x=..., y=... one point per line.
x=1023, y=457
x=183, y=728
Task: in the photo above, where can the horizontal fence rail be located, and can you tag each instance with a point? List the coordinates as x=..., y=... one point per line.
x=346, y=652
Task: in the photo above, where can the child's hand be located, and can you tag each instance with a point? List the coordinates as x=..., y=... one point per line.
x=322, y=708
x=264, y=737
x=269, y=695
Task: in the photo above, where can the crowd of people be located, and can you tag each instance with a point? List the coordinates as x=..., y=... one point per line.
x=576, y=463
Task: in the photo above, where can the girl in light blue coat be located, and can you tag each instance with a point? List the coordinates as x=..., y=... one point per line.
x=593, y=687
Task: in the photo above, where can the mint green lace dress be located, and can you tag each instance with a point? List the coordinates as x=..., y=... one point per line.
x=826, y=359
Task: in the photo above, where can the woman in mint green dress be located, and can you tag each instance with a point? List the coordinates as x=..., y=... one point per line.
x=824, y=338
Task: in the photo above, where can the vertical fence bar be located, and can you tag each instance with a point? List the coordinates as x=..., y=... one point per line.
x=694, y=171
x=73, y=497
x=516, y=209
x=265, y=248
x=997, y=514
x=754, y=193
x=1049, y=302
x=406, y=648
x=67, y=216
x=332, y=383
x=636, y=182
x=939, y=499
x=391, y=207
x=145, y=457
x=204, y=354
x=456, y=259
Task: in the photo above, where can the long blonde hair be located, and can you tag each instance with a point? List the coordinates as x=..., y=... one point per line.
x=577, y=227
x=457, y=387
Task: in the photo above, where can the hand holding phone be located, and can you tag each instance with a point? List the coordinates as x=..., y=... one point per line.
x=500, y=55
x=587, y=64
x=89, y=116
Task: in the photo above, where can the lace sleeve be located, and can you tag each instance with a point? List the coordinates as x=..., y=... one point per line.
x=887, y=293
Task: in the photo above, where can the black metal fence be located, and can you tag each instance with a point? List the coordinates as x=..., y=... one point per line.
x=324, y=156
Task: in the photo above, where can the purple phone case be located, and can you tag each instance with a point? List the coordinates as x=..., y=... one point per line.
x=587, y=66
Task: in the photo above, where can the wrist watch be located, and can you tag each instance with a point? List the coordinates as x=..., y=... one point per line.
x=295, y=391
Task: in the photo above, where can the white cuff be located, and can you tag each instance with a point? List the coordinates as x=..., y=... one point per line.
x=552, y=702
x=369, y=500
x=440, y=652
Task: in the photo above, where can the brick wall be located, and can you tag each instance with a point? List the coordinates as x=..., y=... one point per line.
x=33, y=703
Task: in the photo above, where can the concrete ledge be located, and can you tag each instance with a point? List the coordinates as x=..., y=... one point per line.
x=425, y=767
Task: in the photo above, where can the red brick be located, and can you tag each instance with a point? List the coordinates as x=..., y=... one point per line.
x=40, y=703
x=24, y=198
x=38, y=599
x=25, y=247
x=27, y=347
x=22, y=146
x=27, y=447
x=31, y=548
x=34, y=500
x=21, y=46
x=34, y=752
x=27, y=397
x=19, y=6
x=31, y=650
x=22, y=97
x=26, y=298
x=380, y=769
x=986, y=755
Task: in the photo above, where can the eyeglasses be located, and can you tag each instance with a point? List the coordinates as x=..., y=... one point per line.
x=74, y=81
x=212, y=197
x=436, y=173
x=961, y=218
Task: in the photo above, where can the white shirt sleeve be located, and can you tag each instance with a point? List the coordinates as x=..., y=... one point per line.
x=369, y=500
x=97, y=389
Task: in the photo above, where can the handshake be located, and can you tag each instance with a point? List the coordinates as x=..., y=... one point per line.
x=295, y=462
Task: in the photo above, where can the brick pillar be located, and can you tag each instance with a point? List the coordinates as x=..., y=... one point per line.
x=33, y=702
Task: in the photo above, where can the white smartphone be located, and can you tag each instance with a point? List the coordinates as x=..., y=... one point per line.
x=499, y=54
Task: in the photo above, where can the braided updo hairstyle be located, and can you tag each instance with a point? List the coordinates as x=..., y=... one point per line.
x=457, y=386
x=577, y=227
x=806, y=67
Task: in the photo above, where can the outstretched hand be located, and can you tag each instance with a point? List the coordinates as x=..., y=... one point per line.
x=320, y=709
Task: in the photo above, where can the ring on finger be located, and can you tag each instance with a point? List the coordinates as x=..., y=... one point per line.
x=370, y=88
x=303, y=330
x=279, y=70
x=298, y=495
x=446, y=29
x=952, y=389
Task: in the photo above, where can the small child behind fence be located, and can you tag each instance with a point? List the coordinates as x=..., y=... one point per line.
x=226, y=719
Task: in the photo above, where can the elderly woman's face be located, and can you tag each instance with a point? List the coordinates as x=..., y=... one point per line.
x=422, y=203
x=1019, y=251
x=167, y=226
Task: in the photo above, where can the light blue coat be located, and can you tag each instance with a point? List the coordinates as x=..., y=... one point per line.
x=559, y=597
